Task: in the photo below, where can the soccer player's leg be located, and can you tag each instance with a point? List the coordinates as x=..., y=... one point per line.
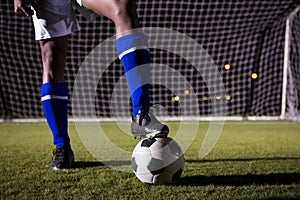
x=51, y=30
x=54, y=97
x=132, y=48
x=134, y=53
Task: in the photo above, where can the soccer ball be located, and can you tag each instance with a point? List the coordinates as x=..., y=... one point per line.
x=157, y=161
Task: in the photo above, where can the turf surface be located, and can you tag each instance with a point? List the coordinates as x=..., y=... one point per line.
x=251, y=160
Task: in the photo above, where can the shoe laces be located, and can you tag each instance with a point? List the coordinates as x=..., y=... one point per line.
x=144, y=114
x=59, y=153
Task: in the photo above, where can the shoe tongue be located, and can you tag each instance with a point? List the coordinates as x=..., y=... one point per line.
x=144, y=119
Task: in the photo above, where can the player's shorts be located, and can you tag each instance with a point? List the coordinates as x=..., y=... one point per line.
x=88, y=14
x=56, y=18
x=79, y=2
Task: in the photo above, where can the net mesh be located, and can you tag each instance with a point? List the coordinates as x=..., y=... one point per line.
x=244, y=36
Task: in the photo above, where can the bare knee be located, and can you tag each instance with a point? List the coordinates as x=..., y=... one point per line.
x=53, y=58
x=121, y=12
x=47, y=60
x=47, y=55
x=124, y=15
x=121, y=8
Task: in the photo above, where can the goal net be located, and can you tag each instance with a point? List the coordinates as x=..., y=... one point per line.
x=253, y=45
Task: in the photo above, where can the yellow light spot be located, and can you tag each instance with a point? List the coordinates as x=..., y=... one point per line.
x=227, y=66
x=254, y=75
x=218, y=97
x=205, y=98
x=186, y=92
x=228, y=97
x=175, y=98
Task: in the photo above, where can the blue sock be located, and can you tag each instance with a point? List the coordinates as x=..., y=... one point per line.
x=54, y=98
x=134, y=54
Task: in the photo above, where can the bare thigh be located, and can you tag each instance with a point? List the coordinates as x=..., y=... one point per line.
x=121, y=12
x=53, y=52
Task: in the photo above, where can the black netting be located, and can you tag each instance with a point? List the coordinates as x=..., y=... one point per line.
x=247, y=35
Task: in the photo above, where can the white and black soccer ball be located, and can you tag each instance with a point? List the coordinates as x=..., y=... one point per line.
x=157, y=161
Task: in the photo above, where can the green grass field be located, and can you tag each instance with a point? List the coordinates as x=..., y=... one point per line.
x=252, y=160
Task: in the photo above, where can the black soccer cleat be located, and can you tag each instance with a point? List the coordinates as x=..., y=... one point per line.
x=63, y=158
x=146, y=125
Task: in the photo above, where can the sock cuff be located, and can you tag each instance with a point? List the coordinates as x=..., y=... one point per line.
x=55, y=89
x=132, y=42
